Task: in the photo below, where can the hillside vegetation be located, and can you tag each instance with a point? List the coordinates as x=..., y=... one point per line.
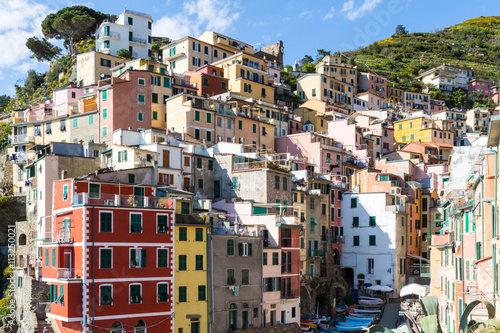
x=474, y=44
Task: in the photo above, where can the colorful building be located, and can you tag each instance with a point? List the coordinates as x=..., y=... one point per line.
x=423, y=128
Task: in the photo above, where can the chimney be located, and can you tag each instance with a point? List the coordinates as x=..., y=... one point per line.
x=64, y=174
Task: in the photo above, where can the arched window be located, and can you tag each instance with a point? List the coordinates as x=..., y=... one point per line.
x=22, y=239
x=117, y=327
x=140, y=327
x=233, y=312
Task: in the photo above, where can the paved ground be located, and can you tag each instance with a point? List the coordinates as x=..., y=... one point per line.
x=391, y=314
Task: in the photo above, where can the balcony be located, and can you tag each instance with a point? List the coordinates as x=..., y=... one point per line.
x=338, y=239
x=281, y=165
x=138, y=40
x=116, y=200
x=21, y=139
x=395, y=209
x=337, y=148
x=290, y=293
x=286, y=220
x=109, y=34
x=69, y=273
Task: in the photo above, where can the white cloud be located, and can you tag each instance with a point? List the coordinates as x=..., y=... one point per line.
x=197, y=16
x=329, y=14
x=307, y=14
x=352, y=13
x=19, y=20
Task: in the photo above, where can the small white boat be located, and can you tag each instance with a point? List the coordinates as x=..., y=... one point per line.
x=370, y=302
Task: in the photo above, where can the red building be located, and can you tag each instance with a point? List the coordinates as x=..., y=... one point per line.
x=109, y=262
x=289, y=242
x=210, y=80
x=480, y=86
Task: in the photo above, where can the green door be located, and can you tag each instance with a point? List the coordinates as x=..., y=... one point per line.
x=139, y=196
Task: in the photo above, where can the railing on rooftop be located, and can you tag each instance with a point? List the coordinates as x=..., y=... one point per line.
x=283, y=165
x=117, y=200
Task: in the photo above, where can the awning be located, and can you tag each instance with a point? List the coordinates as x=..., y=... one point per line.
x=413, y=256
x=414, y=289
x=38, y=147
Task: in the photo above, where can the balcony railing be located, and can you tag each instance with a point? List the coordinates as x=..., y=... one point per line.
x=21, y=138
x=395, y=208
x=69, y=273
x=338, y=239
x=123, y=201
x=138, y=40
x=290, y=293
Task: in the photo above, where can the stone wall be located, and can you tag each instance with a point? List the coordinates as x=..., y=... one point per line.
x=31, y=301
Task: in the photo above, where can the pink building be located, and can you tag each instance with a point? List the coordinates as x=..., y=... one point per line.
x=480, y=86
x=324, y=152
x=373, y=83
x=63, y=98
x=125, y=102
x=351, y=135
x=495, y=94
x=382, y=130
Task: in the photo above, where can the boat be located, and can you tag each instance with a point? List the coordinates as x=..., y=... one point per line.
x=350, y=328
x=370, y=300
x=369, y=311
x=359, y=315
x=341, y=308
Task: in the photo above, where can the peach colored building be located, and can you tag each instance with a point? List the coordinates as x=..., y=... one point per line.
x=125, y=102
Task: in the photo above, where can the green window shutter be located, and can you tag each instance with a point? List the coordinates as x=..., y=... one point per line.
x=383, y=178
x=354, y=202
x=467, y=222
x=355, y=240
x=162, y=224
x=119, y=156
x=162, y=258
x=245, y=277
x=355, y=221
x=199, y=234
x=264, y=258
x=249, y=249
x=240, y=249
x=47, y=258
x=104, y=95
x=65, y=192
x=197, y=115
x=166, y=82
x=278, y=201
x=106, y=258
x=155, y=115
x=210, y=165
x=373, y=221
x=230, y=247
x=94, y=190
x=182, y=262
x=275, y=258
x=135, y=223
x=234, y=183
x=183, y=234
x=199, y=262
x=182, y=294
x=125, y=156
x=143, y=258
x=315, y=248
x=202, y=293
x=209, y=118
x=284, y=204
x=373, y=240
x=91, y=120
x=163, y=292
x=53, y=257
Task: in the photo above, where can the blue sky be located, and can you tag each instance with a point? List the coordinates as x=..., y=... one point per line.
x=303, y=26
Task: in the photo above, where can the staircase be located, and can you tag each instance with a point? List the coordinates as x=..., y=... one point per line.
x=42, y=324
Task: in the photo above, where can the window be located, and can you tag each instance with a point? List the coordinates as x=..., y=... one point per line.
x=223, y=86
x=230, y=277
x=183, y=234
x=209, y=118
x=355, y=221
x=75, y=123
x=210, y=165
x=182, y=294
x=254, y=128
x=154, y=98
x=200, y=183
x=135, y=223
x=234, y=182
x=354, y=202
x=205, y=81
x=105, y=131
x=230, y=247
x=105, y=258
x=371, y=266
x=199, y=262
x=311, y=203
x=162, y=258
x=106, y=295
x=373, y=240
x=199, y=234
x=130, y=21
x=277, y=182
x=355, y=240
x=196, y=115
x=65, y=192
x=47, y=257
x=162, y=224
x=138, y=258
x=94, y=191
x=106, y=222
x=245, y=249
x=162, y=292
x=202, y=293
x=373, y=221
x=245, y=273
x=140, y=116
x=240, y=124
x=198, y=163
x=182, y=262
x=339, y=212
x=106, y=62
x=339, y=195
x=276, y=258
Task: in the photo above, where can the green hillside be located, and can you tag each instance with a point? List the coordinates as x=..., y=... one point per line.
x=474, y=44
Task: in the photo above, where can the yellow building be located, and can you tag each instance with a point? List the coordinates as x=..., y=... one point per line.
x=423, y=129
x=334, y=67
x=247, y=76
x=327, y=89
x=191, y=287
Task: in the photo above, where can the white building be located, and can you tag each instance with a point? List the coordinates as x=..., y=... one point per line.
x=447, y=78
x=375, y=245
x=131, y=31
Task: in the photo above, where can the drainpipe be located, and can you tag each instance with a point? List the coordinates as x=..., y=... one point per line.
x=210, y=281
x=210, y=257
x=494, y=228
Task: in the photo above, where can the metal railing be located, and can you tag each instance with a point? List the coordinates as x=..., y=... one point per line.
x=69, y=273
x=122, y=201
x=139, y=40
